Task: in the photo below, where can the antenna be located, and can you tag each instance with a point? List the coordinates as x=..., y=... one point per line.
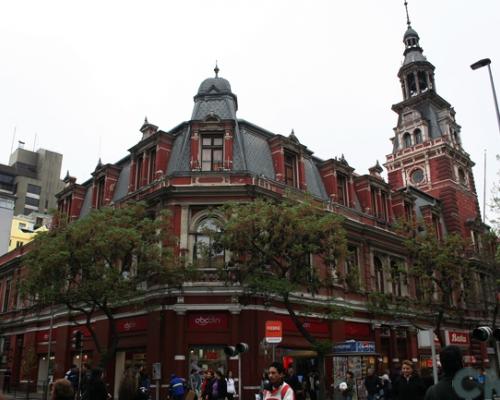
x=34, y=143
x=484, y=188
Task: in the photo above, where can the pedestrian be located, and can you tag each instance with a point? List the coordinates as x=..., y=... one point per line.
x=386, y=387
x=97, y=388
x=195, y=382
x=206, y=386
x=312, y=384
x=72, y=375
x=84, y=383
x=277, y=389
x=451, y=363
x=177, y=387
x=348, y=392
x=293, y=380
x=62, y=389
x=409, y=386
x=129, y=388
x=231, y=387
x=144, y=381
x=373, y=384
x=219, y=387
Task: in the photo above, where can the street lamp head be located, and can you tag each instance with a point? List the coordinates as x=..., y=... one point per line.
x=481, y=63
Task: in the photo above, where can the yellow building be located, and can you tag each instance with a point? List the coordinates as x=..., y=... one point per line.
x=25, y=227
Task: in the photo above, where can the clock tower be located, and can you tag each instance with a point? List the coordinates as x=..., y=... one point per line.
x=427, y=150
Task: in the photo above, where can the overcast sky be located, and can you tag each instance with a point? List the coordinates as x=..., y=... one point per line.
x=83, y=75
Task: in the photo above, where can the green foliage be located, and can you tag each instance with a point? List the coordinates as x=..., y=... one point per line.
x=272, y=243
x=109, y=257
x=439, y=267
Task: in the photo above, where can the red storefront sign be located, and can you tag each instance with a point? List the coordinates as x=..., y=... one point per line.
x=132, y=324
x=457, y=338
x=312, y=325
x=355, y=330
x=207, y=321
x=274, y=331
x=43, y=336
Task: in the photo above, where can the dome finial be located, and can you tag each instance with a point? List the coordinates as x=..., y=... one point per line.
x=216, y=69
x=407, y=15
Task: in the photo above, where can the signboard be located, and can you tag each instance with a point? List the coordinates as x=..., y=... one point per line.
x=43, y=336
x=311, y=324
x=353, y=346
x=274, y=331
x=207, y=321
x=132, y=324
x=156, y=371
x=457, y=338
x=424, y=340
x=357, y=330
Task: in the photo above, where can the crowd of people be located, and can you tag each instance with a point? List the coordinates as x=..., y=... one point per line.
x=278, y=383
x=407, y=384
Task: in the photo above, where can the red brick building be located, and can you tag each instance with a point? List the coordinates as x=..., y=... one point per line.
x=215, y=157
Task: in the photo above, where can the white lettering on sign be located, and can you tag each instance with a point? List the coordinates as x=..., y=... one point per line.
x=204, y=321
x=129, y=325
x=458, y=338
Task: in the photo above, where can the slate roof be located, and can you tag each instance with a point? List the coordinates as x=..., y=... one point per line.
x=121, y=188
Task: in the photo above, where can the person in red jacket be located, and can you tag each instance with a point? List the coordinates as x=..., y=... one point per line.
x=277, y=389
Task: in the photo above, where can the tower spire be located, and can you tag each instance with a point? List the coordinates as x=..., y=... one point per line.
x=407, y=15
x=216, y=69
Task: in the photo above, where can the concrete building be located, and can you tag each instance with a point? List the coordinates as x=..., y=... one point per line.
x=37, y=180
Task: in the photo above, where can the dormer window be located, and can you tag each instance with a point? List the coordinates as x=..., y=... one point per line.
x=138, y=174
x=212, y=150
x=100, y=192
x=290, y=169
x=341, y=189
x=152, y=165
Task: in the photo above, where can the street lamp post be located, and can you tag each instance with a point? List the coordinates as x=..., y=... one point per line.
x=485, y=62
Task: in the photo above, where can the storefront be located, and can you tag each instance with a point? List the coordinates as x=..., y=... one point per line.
x=207, y=353
x=354, y=356
x=45, y=361
x=131, y=352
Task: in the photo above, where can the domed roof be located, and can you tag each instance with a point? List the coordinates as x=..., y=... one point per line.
x=214, y=86
x=410, y=32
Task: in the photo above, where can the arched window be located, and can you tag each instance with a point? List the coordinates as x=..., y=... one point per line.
x=422, y=81
x=412, y=84
x=207, y=251
x=379, y=274
x=456, y=137
x=417, y=135
x=406, y=140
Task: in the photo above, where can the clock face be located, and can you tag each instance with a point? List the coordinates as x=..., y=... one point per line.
x=417, y=176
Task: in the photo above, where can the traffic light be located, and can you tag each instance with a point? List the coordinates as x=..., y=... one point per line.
x=77, y=340
x=232, y=351
x=485, y=333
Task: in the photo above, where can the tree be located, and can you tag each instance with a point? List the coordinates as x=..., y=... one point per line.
x=271, y=245
x=99, y=262
x=441, y=272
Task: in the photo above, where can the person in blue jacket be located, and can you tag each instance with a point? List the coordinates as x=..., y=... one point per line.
x=177, y=387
